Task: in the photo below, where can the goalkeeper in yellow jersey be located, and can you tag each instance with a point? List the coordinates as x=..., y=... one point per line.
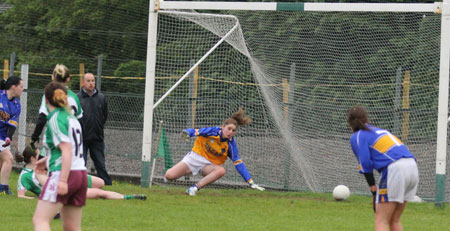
x=212, y=147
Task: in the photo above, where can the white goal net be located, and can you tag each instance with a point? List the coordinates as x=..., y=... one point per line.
x=296, y=74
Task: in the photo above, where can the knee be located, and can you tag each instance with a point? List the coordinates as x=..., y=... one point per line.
x=396, y=225
x=221, y=171
x=37, y=221
x=8, y=160
x=170, y=175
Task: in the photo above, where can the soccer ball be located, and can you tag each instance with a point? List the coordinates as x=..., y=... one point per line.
x=341, y=192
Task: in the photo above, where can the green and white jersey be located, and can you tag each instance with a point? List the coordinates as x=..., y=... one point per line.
x=28, y=181
x=62, y=126
x=72, y=100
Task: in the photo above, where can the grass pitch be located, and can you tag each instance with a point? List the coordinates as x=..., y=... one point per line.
x=168, y=208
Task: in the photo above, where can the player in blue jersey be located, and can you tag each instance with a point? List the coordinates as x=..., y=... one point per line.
x=378, y=149
x=66, y=186
x=212, y=147
x=11, y=90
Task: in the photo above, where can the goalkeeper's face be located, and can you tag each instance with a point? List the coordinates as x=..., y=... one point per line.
x=228, y=131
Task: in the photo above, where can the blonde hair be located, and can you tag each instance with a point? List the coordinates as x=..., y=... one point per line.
x=238, y=119
x=60, y=73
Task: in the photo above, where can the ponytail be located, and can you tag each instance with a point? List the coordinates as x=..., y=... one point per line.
x=56, y=94
x=26, y=155
x=238, y=119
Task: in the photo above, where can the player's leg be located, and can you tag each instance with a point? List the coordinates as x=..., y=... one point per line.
x=44, y=214
x=177, y=171
x=395, y=223
x=97, y=182
x=211, y=173
x=7, y=162
x=383, y=215
x=96, y=193
x=71, y=217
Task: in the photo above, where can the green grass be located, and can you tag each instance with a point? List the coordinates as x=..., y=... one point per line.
x=168, y=208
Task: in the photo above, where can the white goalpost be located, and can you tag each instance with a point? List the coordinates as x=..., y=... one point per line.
x=296, y=68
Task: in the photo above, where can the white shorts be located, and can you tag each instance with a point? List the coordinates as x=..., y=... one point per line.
x=50, y=190
x=402, y=180
x=195, y=162
x=2, y=142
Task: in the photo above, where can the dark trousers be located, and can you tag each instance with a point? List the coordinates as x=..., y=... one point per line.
x=96, y=151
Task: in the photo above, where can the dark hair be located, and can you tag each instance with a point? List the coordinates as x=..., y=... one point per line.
x=9, y=82
x=60, y=73
x=26, y=155
x=238, y=118
x=357, y=118
x=56, y=94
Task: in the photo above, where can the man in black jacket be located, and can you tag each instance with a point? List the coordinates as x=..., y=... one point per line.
x=95, y=111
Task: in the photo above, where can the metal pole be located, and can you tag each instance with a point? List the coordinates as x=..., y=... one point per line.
x=99, y=72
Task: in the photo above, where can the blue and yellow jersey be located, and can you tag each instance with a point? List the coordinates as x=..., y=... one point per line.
x=9, y=113
x=209, y=144
x=376, y=148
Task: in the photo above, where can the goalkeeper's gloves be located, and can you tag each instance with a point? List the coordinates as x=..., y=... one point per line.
x=374, y=201
x=7, y=142
x=185, y=135
x=255, y=186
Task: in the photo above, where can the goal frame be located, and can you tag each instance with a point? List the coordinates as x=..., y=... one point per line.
x=442, y=8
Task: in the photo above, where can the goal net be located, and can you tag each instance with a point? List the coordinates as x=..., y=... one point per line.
x=296, y=74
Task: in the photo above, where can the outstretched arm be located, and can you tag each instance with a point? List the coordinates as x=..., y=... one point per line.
x=233, y=153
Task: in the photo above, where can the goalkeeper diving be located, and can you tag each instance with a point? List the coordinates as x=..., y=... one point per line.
x=212, y=147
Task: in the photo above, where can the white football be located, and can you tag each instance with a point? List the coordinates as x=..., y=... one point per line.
x=417, y=199
x=341, y=192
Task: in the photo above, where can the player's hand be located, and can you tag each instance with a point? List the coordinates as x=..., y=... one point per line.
x=374, y=201
x=185, y=135
x=7, y=142
x=40, y=165
x=34, y=139
x=62, y=188
x=255, y=186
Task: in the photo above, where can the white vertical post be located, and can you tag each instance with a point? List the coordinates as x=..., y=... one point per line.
x=441, y=149
x=23, y=110
x=149, y=93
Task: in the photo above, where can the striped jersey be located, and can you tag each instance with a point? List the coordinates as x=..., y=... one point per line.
x=72, y=100
x=62, y=126
x=27, y=181
x=209, y=144
x=9, y=113
x=376, y=148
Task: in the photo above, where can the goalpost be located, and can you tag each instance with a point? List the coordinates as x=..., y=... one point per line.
x=298, y=95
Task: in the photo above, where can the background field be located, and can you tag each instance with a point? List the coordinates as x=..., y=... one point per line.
x=168, y=208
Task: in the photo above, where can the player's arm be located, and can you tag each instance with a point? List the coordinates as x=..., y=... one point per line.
x=233, y=154
x=209, y=131
x=66, y=156
x=21, y=194
x=40, y=124
x=12, y=124
x=361, y=149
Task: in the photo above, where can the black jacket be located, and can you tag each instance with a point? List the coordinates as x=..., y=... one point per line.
x=95, y=114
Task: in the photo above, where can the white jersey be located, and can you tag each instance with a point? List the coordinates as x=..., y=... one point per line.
x=62, y=126
x=72, y=100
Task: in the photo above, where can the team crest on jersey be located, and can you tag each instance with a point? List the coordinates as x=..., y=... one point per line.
x=4, y=116
x=1, y=105
x=214, y=148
